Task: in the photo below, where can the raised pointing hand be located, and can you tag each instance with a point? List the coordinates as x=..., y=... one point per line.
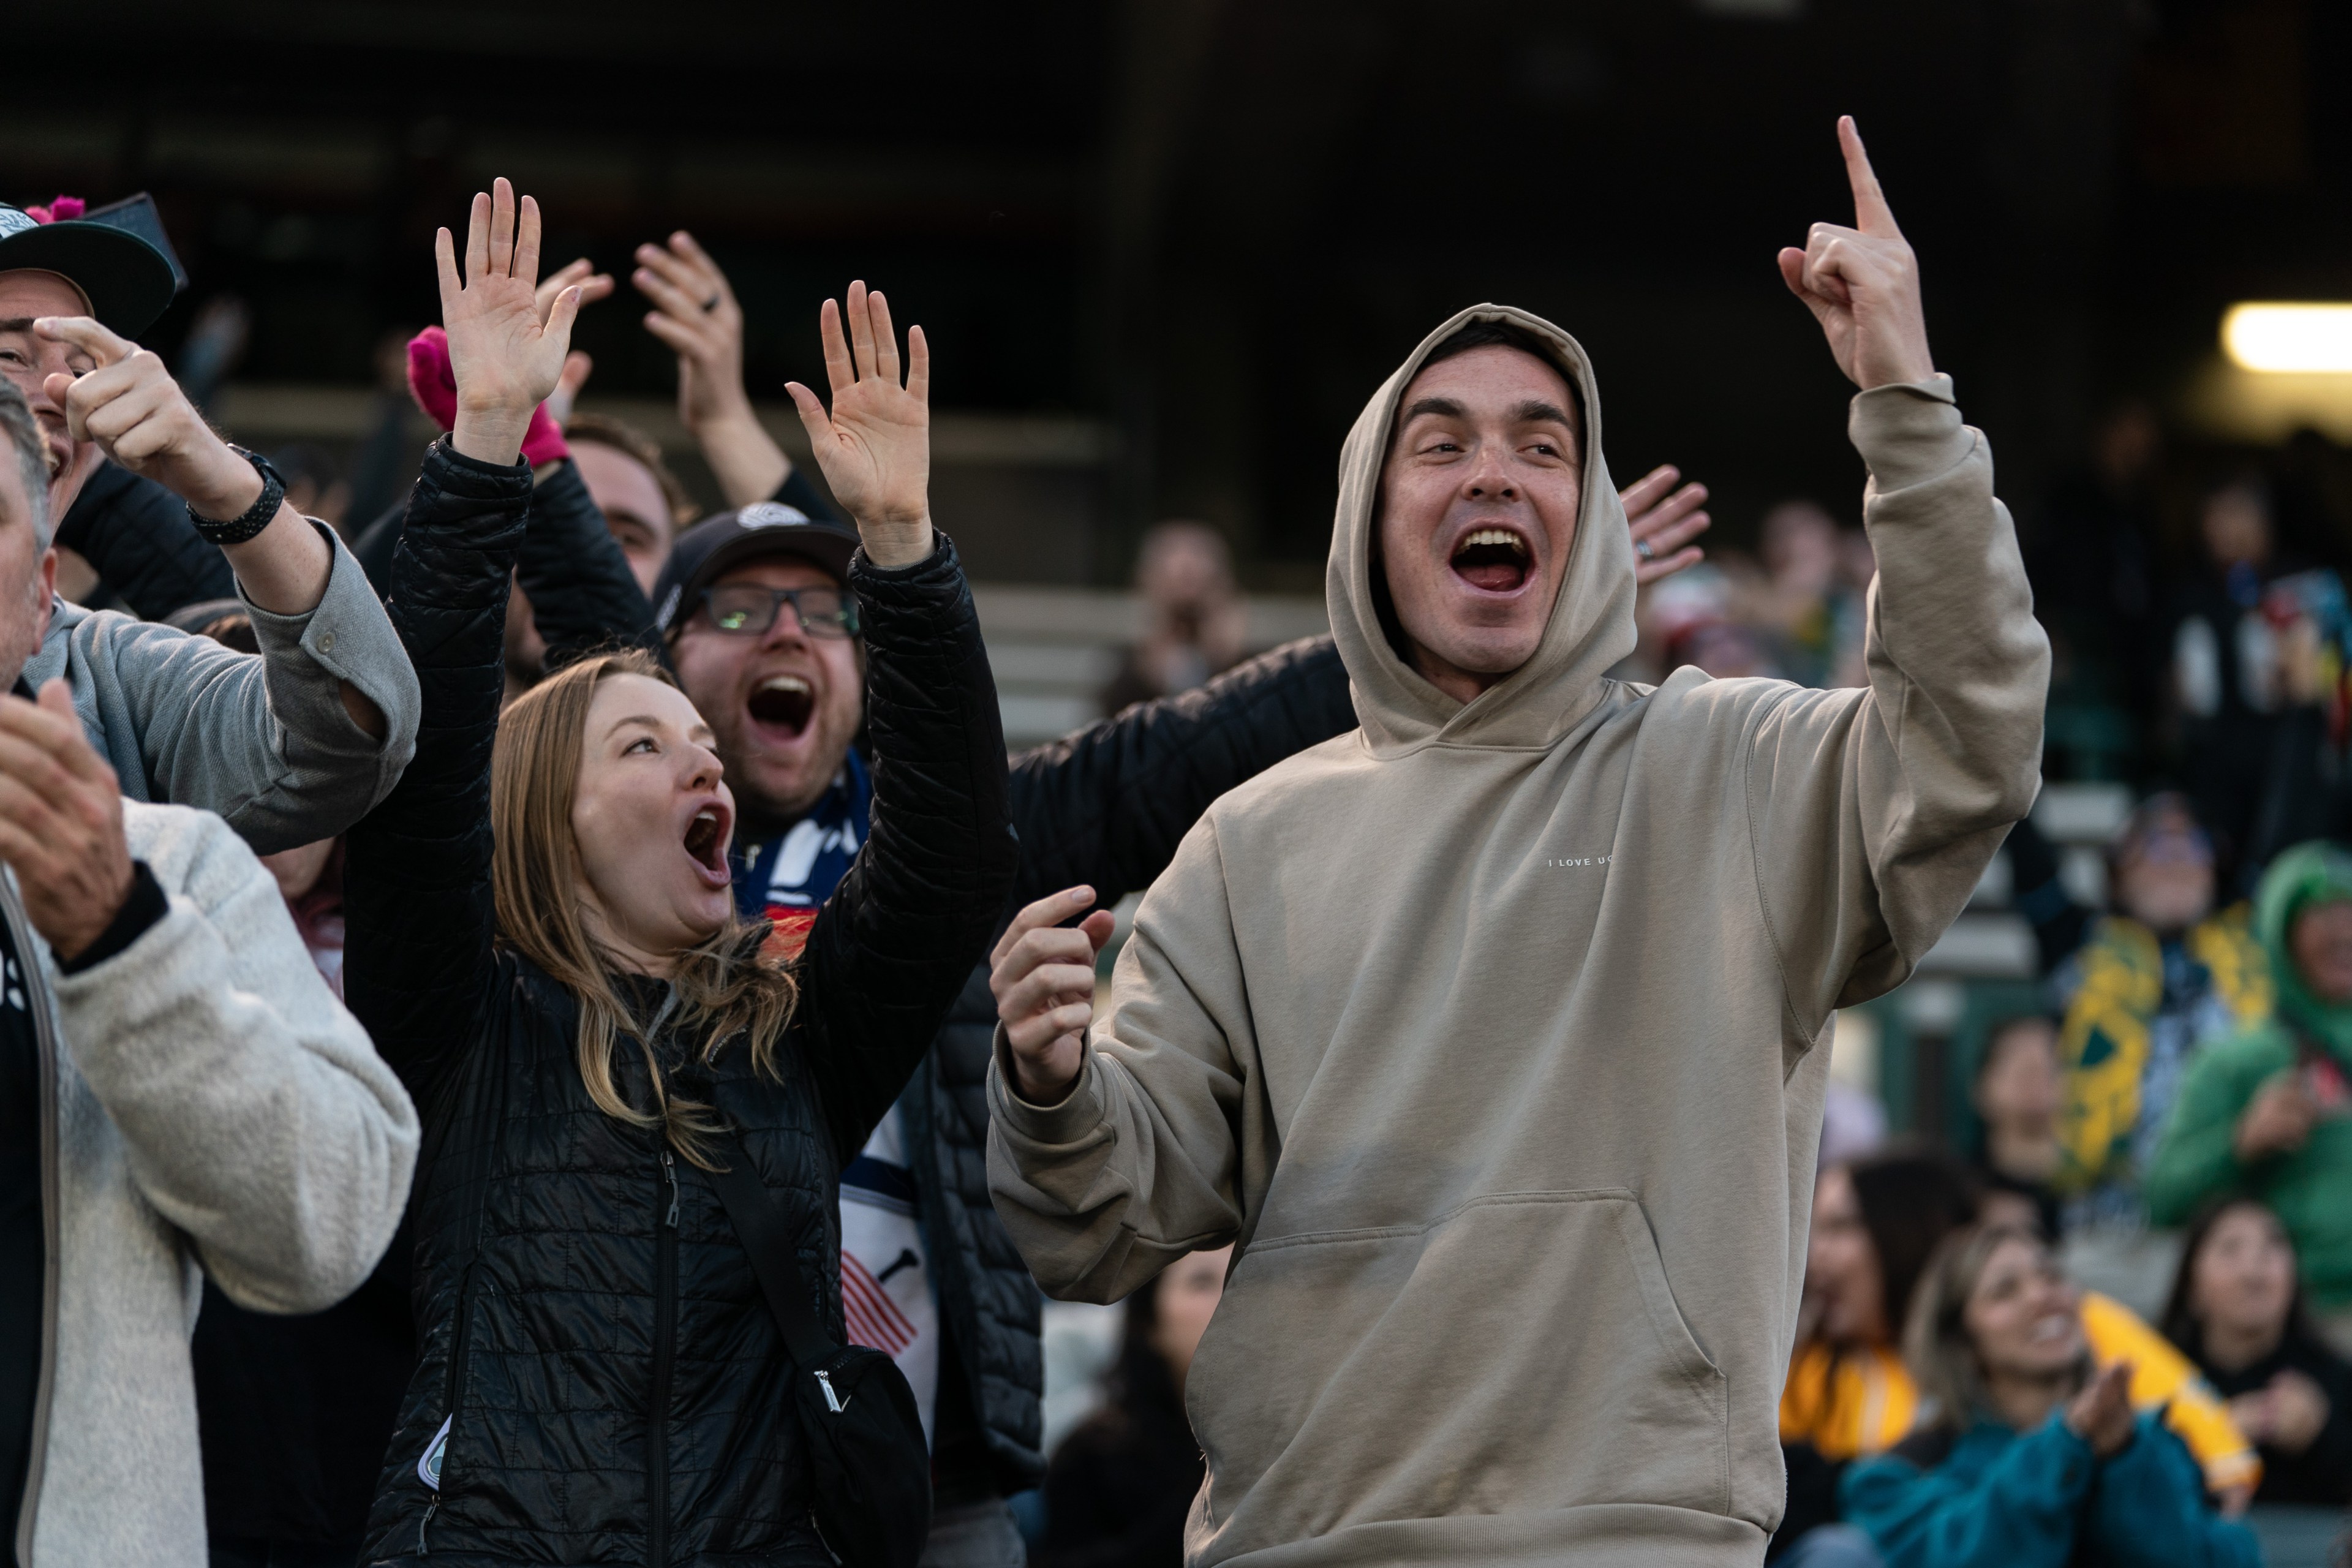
x=505, y=360
x=136, y=414
x=1862, y=283
x=876, y=446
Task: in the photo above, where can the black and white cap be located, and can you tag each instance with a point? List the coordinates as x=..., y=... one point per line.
x=110, y=255
x=717, y=545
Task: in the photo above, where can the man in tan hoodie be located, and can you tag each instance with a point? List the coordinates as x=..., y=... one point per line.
x=1487, y=1033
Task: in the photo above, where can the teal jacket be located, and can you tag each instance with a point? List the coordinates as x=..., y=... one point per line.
x=2042, y=1500
x=2311, y=1187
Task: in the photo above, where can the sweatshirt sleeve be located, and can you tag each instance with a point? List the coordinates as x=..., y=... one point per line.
x=2018, y=1512
x=1160, y=1145
x=265, y=741
x=1874, y=812
x=2150, y=1509
x=257, y=1116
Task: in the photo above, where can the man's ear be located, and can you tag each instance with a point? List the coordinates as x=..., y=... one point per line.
x=45, y=583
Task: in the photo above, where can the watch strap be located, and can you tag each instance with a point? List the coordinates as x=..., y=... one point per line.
x=255, y=517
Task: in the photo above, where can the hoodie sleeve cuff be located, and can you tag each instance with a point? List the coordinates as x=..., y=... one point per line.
x=1908, y=433
x=140, y=910
x=1078, y=1113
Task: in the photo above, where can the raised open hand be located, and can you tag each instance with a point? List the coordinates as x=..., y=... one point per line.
x=1862, y=283
x=1664, y=521
x=695, y=314
x=2101, y=1415
x=504, y=359
x=876, y=449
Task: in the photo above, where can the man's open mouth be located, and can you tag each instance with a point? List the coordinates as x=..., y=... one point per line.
x=705, y=841
x=782, y=703
x=1495, y=560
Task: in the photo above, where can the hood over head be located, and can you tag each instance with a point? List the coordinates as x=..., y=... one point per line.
x=2306, y=874
x=1592, y=623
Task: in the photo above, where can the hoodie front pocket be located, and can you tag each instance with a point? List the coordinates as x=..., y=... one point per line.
x=1521, y=1351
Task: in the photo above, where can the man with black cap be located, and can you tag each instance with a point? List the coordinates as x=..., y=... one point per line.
x=291, y=746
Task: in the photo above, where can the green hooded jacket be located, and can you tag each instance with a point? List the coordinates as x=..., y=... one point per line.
x=2311, y=1187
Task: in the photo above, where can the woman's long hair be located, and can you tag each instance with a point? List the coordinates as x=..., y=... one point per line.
x=723, y=986
x=1935, y=1343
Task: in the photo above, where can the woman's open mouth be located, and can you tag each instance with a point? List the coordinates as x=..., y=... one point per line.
x=1493, y=560
x=784, y=702
x=706, y=845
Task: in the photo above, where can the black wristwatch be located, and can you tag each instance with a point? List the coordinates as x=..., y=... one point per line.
x=257, y=517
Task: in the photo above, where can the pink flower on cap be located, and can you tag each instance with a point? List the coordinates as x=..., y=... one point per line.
x=65, y=209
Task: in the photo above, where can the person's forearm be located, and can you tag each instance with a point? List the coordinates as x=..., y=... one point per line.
x=283, y=568
x=743, y=457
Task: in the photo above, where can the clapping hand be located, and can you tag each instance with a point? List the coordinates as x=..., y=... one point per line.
x=2102, y=1413
x=60, y=822
x=1043, y=975
x=1862, y=283
x=505, y=360
x=876, y=446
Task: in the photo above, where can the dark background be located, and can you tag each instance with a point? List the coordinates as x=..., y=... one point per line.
x=1206, y=230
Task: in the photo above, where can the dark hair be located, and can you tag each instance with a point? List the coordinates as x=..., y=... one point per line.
x=1910, y=1202
x=1492, y=335
x=2180, y=1323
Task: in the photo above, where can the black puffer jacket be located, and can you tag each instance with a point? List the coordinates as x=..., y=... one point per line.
x=1106, y=806
x=136, y=535
x=571, y=1277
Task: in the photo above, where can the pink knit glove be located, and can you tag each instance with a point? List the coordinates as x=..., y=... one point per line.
x=433, y=384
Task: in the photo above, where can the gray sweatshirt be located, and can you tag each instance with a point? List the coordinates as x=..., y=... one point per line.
x=264, y=741
x=211, y=1109
x=1489, y=1031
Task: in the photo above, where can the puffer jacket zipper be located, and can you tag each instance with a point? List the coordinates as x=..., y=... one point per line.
x=453, y=1395
x=665, y=1353
x=36, y=996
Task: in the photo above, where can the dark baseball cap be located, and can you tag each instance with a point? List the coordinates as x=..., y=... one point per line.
x=717, y=545
x=117, y=256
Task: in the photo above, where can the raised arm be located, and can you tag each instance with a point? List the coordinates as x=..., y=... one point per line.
x=419, y=970
x=894, y=943
x=695, y=312
x=1874, y=811
x=583, y=597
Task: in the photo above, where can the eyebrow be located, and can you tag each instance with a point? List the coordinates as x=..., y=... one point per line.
x=1535, y=410
x=15, y=324
x=1443, y=407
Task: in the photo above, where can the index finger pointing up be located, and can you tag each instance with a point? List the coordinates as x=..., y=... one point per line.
x=1871, y=213
x=88, y=336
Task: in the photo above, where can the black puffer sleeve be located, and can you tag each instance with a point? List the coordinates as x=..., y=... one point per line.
x=920, y=906
x=137, y=536
x=1107, y=806
x=418, y=970
x=583, y=595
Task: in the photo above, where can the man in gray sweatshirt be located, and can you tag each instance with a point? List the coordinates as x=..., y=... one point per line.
x=179, y=1092
x=290, y=747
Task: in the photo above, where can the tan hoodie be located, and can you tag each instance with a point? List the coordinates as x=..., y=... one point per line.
x=1487, y=1032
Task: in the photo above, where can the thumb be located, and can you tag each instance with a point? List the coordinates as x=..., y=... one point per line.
x=559, y=318
x=812, y=416
x=1098, y=927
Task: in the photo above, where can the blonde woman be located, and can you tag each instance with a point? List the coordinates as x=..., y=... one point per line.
x=2027, y=1454
x=544, y=941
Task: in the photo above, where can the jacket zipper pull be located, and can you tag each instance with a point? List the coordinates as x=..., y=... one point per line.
x=430, y=1510
x=829, y=1397
x=669, y=1175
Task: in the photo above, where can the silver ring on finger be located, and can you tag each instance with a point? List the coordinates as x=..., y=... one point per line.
x=710, y=305
x=1642, y=548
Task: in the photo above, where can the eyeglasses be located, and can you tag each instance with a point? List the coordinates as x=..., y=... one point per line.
x=748, y=611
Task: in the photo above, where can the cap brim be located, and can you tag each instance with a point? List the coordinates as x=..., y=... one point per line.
x=126, y=280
